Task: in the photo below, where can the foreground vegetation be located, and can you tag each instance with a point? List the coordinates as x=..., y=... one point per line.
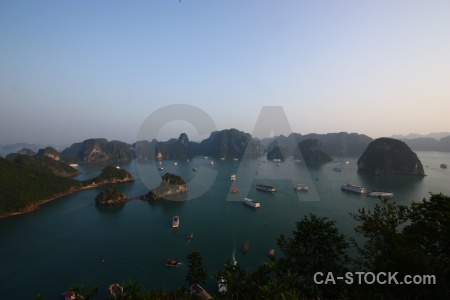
x=407, y=240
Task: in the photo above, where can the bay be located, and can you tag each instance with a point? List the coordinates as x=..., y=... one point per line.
x=71, y=241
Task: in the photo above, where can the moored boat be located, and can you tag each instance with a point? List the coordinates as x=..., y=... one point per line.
x=300, y=187
x=353, y=188
x=251, y=202
x=265, y=188
x=175, y=222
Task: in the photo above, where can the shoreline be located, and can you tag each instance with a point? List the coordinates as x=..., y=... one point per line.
x=35, y=206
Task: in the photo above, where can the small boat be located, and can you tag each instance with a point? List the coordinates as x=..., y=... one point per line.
x=337, y=169
x=278, y=164
x=211, y=162
x=235, y=159
x=276, y=160
x=235, y=190
x=73, y=165
x=251, y=203
x=171, y=263
x=194, y=169
x=233, y=177
x=300, y=187
x=175, y=163
x=222, y=286
x=190, y=236
x=175, y=222
x=117, y=167
x=443, y=166
x=271, y=253
x=266, y=188
x=115, y=290
x=245, y=248
x=160, y=168
x=222, y=158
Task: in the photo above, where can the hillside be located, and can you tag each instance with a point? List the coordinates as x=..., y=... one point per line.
x=98, y=151
x=311, y=152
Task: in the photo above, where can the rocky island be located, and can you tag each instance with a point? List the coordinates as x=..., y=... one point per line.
x=387, y=156
x=311, y=152
x=111, y=196
x=171, y=185
x=110, y=175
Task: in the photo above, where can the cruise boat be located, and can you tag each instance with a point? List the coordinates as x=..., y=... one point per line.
x=265, y=188
x=175, y=222
x=233, y=177
x=222, y=286
x=251, y=202
x=381, y=194
x=171, y=263
x=300, y=187
x=353, y=188
x=115, y=290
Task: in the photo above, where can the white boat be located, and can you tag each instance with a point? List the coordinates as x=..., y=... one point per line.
x=381, y=194
x=175, y=222
x=222, y=158
x=300, y=187
x=222, y=286
x=353, y=188
x=175, y=163
x=233, y=177
x=211, y=162
x=251, y=202
x=235, y=159
x=160, y=168
x=276, y=160
x=73, y=165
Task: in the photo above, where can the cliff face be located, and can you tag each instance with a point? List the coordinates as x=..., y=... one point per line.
x=386, y=156
x=98, y=150
x=170, y=185
x=49, y=152
x=311, y=151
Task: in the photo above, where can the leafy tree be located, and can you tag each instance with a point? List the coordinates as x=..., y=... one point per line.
x=316, y=246
x=196, y=273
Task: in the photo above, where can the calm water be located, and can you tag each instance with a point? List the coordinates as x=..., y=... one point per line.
x=71, y=241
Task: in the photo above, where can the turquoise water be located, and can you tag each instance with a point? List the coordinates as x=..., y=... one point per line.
x=71, y=241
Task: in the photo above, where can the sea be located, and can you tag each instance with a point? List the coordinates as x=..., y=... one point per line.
x=70, y=241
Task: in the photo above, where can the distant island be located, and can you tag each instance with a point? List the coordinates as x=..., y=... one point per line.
x=387, y=156
x=171, y=185
x=111, y=196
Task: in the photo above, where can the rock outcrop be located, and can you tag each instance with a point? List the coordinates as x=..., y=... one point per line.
x=171, y=185
x=387, y=156
x=110, y=175
x=97, y=151
x=111, y=196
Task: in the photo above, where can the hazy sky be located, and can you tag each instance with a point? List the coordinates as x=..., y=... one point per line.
x=72, y=70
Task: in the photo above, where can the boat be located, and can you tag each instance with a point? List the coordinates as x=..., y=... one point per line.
x=382, y=194
x=300, y=187
x=245, y=248
x=117, y=167
x=71, y=295
x=194, y=169
x=175, y=163
x=233, y=177
x=190, y=236
x=337, y=169
x=175, y=222
x=160, y=168
x=276, y=160
x=211, y=162
x=115, y=290
x=353, y=188
x=443, y=166
x=73, y=165
x=222, y=158
x=265, y=188
x=278, y=164
x=171, y=263
x=235, y=159
x=271, y=253
x=222, y=286
x=235, y=190
x=251, y=202
x=200, y=292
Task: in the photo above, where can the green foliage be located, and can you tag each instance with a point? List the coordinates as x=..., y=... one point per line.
x=173, y=179
x=110, y=174
x=46, y=164
x=111, y=195
x=21, y=187
x=196, y=274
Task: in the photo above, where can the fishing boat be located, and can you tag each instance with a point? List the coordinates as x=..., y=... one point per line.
x=171, y=263
x=251, y=202
x=245, y=248
x=266, y=188
x=300, y=187
x=235, y=190
x=175, y=222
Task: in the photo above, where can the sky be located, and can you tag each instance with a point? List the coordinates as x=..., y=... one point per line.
x=73, y=70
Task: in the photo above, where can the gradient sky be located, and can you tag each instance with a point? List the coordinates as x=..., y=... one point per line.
x=72, y=70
